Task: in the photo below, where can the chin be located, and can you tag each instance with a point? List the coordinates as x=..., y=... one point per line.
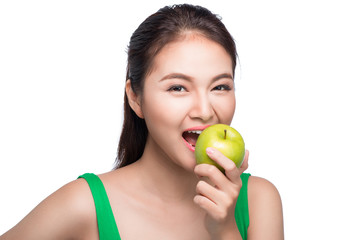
x=187, y=163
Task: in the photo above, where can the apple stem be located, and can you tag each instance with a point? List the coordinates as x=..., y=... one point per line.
x=225, y=133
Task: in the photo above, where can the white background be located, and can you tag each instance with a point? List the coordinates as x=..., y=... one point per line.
x=62, y=74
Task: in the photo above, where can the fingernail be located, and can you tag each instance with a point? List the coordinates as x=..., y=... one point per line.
x=209, y=150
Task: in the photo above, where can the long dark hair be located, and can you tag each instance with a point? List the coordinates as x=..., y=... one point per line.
x=159, y=29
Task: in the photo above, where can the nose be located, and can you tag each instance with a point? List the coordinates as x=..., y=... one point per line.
x=202, y=108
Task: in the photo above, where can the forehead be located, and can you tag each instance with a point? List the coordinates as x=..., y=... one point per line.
x=192, y=54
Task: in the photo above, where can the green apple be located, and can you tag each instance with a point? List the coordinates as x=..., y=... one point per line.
x=225, y=139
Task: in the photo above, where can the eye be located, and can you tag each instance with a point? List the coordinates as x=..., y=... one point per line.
x=222, y=87
x=177, y=88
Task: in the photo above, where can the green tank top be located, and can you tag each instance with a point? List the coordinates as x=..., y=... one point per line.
x=105, y=218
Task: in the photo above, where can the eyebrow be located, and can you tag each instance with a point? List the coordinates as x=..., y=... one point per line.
x=176, y=76
x=188, y=78
x=223, y=75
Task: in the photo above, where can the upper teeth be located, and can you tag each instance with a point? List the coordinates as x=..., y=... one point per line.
x=197, y=131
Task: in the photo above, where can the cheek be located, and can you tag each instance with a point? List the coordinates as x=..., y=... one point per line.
x=160, y=110
x=225, y=108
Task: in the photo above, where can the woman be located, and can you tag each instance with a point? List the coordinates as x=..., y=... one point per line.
x=180, y=79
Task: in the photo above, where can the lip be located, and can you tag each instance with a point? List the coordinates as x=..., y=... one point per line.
x=197, y=128
x=189, y=145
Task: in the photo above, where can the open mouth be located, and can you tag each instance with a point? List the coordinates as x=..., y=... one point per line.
x=191, y=135
x=190, y=138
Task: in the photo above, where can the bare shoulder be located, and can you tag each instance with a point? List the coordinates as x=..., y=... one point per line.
x=265, y=210
x=260, y=187
x=68, y=213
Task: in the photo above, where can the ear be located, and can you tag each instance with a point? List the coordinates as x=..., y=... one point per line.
x=133, y=99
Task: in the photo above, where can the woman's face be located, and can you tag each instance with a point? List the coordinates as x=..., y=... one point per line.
x=190, y=87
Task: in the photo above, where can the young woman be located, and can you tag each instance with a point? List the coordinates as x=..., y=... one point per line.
x=180, y=80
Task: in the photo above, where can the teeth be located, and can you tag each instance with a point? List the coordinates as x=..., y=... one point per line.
x=197, y=132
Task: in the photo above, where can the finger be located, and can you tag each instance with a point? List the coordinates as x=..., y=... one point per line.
x=231, y=171
x=245, y=163
x=205, y=189
x=212, y=175
x=221, y=183
x=206, y=204
x=215, y=211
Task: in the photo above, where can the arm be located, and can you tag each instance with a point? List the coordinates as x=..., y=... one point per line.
x=265, y=210
x=66, y=214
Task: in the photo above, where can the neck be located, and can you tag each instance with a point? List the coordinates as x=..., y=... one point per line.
x=163, y=178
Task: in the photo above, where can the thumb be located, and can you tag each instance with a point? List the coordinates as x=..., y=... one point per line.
x=245, y=163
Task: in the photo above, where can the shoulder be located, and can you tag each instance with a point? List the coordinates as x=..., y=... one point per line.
x=66, y=214
x=262, y=192
x=260, y=187
x=265, y=209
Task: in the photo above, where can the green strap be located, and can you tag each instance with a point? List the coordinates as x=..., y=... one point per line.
x=242, y=208
x=105, y=217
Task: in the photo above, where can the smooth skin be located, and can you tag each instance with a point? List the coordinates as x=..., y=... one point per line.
x=165, y=195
